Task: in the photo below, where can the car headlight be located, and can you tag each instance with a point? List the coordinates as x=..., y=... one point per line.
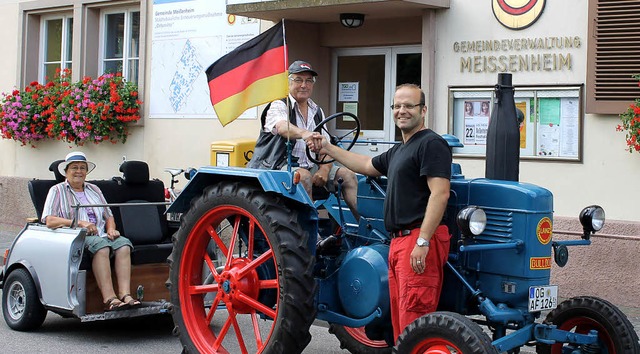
x=471, y=221
x=592, y=218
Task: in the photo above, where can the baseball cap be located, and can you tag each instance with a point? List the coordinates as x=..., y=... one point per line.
x=300, y=66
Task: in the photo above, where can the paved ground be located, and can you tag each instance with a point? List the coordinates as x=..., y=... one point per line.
x=633, y=313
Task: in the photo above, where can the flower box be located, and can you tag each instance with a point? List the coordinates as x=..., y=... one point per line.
x=90, y=110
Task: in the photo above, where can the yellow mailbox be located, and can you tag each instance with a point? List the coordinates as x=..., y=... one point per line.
x=232, y=152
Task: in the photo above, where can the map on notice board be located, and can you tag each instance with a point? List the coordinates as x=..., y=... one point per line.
x=187, y=37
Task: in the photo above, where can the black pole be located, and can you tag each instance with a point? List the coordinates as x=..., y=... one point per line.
x=503, y=136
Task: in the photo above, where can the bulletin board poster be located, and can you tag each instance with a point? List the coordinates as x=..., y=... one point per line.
x=550, y=129
x=476, y=122
x=558, y=127
x=522, y=106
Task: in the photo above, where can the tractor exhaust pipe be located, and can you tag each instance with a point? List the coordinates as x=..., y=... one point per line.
x=503, y=135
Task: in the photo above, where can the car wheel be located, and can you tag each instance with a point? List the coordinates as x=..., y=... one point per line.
x=21, y=305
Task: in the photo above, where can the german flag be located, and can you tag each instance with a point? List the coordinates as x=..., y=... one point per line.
x=252, y=74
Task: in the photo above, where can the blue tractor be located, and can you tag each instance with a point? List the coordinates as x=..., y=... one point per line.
x=254, y=249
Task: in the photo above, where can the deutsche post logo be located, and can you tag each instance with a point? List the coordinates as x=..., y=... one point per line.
x=544, y=230
x=539, y=263
x=517, y=14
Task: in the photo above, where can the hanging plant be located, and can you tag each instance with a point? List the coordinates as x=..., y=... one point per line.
x=631, y=124
x=91, y=110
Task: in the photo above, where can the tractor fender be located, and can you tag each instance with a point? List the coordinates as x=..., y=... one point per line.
x=363, y=281
x=269, y=180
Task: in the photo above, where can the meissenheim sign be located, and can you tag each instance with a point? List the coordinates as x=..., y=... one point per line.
x=517, y=55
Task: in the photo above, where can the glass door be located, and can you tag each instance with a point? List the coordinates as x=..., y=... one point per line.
x=363, y=82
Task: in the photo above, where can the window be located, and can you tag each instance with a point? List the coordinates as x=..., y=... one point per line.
x=110, y=38
x=612, y=55
x=121, y=43
x=551, y=128
x=57, y=40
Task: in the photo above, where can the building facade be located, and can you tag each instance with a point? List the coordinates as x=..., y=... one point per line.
x=569, y=84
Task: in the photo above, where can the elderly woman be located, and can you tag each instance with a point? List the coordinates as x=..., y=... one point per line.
x=102, y=237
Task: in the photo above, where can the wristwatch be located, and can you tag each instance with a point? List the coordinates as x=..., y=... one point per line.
x=420, y=242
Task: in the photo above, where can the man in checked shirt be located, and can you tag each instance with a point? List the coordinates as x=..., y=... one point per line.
x=296, y=121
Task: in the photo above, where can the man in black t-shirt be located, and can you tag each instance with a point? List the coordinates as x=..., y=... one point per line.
x=418, y=172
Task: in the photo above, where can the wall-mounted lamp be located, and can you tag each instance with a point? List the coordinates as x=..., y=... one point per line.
x=352, y=20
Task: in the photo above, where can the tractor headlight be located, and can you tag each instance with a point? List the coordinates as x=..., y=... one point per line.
x=592, y=218
x=471, y=221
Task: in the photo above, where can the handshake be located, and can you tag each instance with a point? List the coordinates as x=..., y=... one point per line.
x=316, y=142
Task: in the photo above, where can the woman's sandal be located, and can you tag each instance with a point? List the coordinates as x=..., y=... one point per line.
x=114, y=304
x=131, y=303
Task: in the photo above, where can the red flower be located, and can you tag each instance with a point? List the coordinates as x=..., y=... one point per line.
x=631, y=124
x=48, y=110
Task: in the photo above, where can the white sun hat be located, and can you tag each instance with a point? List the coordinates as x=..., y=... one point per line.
x=75, y=156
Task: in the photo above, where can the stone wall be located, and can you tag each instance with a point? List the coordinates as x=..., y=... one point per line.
x=608, y=268
x=15, y=207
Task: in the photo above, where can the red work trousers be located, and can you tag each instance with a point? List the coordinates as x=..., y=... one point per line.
x=413, y=295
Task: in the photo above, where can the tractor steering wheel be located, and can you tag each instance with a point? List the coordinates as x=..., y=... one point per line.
x=333, y=139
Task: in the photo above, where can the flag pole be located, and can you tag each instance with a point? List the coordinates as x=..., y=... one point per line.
x=286, y=61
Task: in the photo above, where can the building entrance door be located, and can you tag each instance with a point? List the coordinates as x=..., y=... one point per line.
x=363, y=82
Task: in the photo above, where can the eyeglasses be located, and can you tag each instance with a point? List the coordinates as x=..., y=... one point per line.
x=78, y=168
x=407, y=106
x=298, y=81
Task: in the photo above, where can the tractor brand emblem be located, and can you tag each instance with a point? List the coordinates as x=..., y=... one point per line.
x=517, y=14
x=544, y=230
x=539, y=263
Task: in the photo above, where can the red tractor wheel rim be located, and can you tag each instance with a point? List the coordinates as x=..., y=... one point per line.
x=236, y=285
x=360, y=335
x=583, y=325
x=435, y=346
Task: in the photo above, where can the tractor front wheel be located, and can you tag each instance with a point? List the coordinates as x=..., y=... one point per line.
x=444, y=333
x=585, y=313
x=263, y=271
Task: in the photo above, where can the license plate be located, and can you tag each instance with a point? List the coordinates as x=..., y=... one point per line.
x=543, y=298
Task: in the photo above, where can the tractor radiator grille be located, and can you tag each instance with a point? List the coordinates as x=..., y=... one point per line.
x=499, y=224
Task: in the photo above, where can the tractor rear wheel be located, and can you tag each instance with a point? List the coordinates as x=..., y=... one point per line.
x=582, y=314
x=355, y=340
x=444, y=332
x=265, y=272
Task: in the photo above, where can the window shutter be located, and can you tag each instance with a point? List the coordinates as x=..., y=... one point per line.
x=613, y=55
